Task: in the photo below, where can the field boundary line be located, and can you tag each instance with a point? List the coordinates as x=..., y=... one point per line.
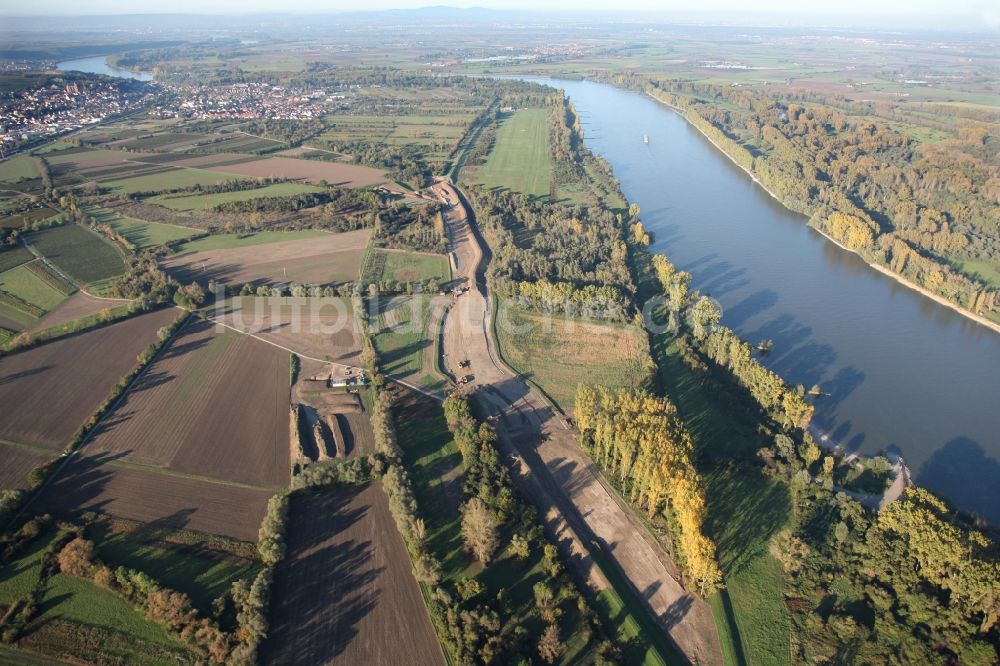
x=394, y=378
x=30, y=447
x=166, y=471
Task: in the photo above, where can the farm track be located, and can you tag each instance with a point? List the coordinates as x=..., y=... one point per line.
x=345, y=592
x=578, y=507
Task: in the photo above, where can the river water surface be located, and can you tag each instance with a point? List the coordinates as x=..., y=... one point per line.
x=906, y=374
x=99, y=65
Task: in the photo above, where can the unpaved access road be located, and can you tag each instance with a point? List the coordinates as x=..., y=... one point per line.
x=550, y=467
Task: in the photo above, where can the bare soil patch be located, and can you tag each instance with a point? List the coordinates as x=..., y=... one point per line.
x=323, y=328
x=49, y=391
x=77, y=306
x=313, y=171
x=88, y=160
x=345, y=592
x=97, y=483
x=327, y=260
x=214, y=404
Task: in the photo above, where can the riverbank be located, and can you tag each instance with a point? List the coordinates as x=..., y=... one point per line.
x=987, y=323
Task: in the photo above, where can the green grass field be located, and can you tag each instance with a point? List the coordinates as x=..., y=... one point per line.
x=202, y=577
x=78, y=619
x=80, y=253
x=984, y=270
x=405, y=343
x=558, y=353
x=17, y=168
x=520, y=159
x=229, y=241
x=203, y=201
x=401, y=266
x=141, y=233
x=30, y=288
x=169, y=180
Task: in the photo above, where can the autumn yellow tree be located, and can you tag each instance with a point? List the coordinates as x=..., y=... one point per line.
x=639, y=440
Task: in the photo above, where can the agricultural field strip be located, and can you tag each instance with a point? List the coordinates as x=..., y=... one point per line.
x=66, y=277
x=71, y=281
x=275, y=344
x=65, y=459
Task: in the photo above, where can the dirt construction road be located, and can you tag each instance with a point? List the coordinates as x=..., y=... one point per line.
x=552, y=469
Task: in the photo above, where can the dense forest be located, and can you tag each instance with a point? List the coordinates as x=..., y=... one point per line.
x=410, y=227
x=556, y=257
x=919, y=209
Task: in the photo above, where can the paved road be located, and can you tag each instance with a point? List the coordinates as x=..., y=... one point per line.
x=549, y=465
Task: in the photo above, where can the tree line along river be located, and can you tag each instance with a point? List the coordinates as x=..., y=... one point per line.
x=904, y=374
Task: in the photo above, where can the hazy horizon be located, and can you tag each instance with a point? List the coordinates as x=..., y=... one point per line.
x=926, y=15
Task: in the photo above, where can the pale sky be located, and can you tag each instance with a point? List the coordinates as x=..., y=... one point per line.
x=78, y=7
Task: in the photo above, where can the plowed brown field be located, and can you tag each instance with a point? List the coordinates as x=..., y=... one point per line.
x=47, y=392
x=345, y=592
x=17, y=462
x=214, y=404
x=332, y=259
x=96, y=483
x=321, y=328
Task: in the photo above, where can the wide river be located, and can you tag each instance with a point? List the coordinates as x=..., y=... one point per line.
x=905, y=374
x=99, y=65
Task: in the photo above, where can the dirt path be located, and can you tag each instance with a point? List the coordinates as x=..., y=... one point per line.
x=552, y=469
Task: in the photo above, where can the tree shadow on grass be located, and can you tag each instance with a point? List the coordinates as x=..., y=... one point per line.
x=395, y=360
x=745, y=510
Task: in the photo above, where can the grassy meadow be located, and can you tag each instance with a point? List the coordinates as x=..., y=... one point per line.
x=520, y=159
x=405, y=340
x=403, y=266
x=232, y=241
x=79, y=620
x=176, y=178
x=558, y=353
